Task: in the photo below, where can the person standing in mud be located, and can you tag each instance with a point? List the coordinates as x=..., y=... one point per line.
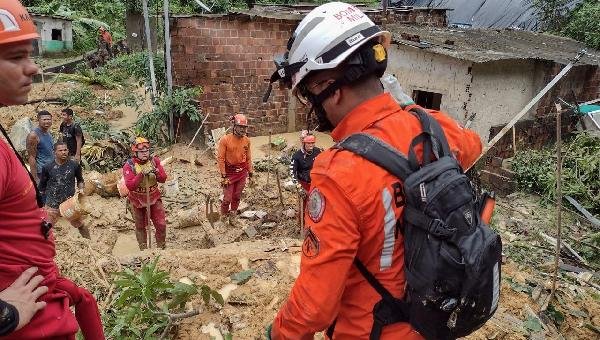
x=40, y=145
x=302, y=163
x=34, y=299
x=235, y=165
x=71, y=134
x=57, y=183
x=142, y=174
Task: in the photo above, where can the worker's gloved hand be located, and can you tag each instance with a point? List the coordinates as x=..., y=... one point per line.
x=149, y=171
x=225, y=181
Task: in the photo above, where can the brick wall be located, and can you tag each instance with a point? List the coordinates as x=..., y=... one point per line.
x=583, y=80
x=531, y=134
x=230, y=56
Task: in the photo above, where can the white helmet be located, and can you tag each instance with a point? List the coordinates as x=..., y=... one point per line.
x=324, y=39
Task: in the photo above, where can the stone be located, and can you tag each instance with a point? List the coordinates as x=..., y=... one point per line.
x=251, y=231
x=289, y=185
x=18, y=133
x=249, y=214
x=290, y=213
x=268, y=225
x=260, y=214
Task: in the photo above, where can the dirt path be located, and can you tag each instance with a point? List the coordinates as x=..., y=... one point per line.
x=130, y=115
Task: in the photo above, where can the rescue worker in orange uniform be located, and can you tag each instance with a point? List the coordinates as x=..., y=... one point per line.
x=35, y=300
x=234, y=160
x=142, y=173
x=105, y=41
x=334, y=63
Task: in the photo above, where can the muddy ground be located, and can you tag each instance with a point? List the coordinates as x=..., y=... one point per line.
x=209, y=254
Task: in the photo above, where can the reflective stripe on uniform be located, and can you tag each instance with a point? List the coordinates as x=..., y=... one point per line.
x=389, y=221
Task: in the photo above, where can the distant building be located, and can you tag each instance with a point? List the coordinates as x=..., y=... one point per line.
x=56, y=34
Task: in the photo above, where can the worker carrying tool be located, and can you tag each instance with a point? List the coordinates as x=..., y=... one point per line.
x=352, y=272
x=57, y=183
x=302, y=162
x=142, y=173
x=34, y=299
x=234, y=160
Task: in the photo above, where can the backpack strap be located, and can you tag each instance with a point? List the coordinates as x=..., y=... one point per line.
x=387, y=311
x=377, y=151
x=434, y=130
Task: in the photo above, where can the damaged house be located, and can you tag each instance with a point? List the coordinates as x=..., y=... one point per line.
x=489, y=73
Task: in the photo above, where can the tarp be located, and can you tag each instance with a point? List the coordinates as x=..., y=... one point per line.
x=486, y=13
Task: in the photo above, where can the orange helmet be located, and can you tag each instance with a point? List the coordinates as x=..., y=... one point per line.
x=140, y=144
x=240, y=119
x=15, y=23
x=309, y=139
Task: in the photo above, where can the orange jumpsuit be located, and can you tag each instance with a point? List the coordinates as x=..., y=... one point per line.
x=235, y=162
x=352, y=212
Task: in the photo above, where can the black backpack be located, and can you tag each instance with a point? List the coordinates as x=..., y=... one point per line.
x=452, y=260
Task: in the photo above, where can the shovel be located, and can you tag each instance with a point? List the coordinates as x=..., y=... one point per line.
x=211, y=215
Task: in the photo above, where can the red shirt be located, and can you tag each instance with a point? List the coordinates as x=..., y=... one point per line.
x=22, y=245
x=133, y=180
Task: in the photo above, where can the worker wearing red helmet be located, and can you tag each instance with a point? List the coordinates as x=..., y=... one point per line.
x=142, y=173
x=31, y=306
x=302, y=162
x=235, y=165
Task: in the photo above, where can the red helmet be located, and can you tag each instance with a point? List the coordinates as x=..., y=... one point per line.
x=309, y=139
x=240, y=119
x=140, y=144
x=15, y=23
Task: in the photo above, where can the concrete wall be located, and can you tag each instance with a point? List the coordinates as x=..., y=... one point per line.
x=500, y=89
x=418, y=69
x=496, y=91
x=45, y=25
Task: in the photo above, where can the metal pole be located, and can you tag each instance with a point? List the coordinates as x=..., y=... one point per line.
x=528, y=107
x=149, y=49
x=168, y=61
x=558, y=198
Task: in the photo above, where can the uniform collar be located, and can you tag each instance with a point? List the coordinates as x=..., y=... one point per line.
x=364, y=115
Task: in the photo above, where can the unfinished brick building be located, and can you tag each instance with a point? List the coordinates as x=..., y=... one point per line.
x=490, y=72
x=231, y=57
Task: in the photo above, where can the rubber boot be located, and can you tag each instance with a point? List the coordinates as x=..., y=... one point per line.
x=162, y=244
x=84, y=232
x=140, y=235
x=233, y=218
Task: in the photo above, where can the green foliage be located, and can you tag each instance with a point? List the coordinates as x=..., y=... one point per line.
x=79, y=96
x=181, y=103
x=135, y=65
x=144, y=301
x=584, y=24
x=96, y=129
x=535, y=171
x=551, y=13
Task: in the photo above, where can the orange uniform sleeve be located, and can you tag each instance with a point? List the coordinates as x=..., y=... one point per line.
x=464, y=143
x=221, y=151
x=328, y=254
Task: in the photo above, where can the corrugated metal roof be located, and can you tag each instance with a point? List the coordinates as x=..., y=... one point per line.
x=483, y=45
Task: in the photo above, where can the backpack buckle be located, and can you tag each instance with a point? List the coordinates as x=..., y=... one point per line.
x=439, y=228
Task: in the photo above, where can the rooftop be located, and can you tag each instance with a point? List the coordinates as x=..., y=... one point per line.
x=50, y=16
x=483, y=45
